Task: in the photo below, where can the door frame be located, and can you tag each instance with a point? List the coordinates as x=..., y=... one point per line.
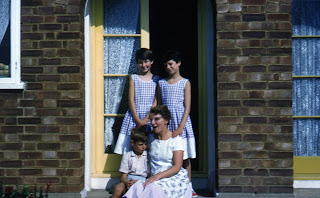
x=206, y=57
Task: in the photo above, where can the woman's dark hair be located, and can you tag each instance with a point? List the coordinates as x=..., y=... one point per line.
x=162, y=110
x=138, y=134
x=172, y=55
x=144, y=54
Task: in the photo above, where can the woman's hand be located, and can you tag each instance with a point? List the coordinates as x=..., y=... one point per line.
x=154, y=178
x=177, y=132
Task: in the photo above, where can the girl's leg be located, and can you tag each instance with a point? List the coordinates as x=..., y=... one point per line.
x=187, y=165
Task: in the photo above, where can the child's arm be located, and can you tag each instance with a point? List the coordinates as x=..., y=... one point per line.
x=132, y=105
x=123, y=179
x=187, y=106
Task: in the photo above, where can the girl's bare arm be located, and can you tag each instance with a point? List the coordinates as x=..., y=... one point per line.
x=132, y=104
x=187, y=106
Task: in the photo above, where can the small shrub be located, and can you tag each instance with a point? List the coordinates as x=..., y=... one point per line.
x=25, y=192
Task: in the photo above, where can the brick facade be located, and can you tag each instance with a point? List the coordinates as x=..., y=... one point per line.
x=254, y=96
x=42, y=127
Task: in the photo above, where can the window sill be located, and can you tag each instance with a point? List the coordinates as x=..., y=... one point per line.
x=12, y=85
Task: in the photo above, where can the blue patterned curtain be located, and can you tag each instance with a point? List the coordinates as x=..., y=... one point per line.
x=306, y=91
x=120, y=17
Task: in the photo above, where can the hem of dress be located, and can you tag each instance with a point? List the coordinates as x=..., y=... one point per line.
x=189, y=146
x=123, y=144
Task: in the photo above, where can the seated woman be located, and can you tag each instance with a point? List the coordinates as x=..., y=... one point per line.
x=168, y=178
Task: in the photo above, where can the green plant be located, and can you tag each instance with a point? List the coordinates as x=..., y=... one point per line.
x=24, y=192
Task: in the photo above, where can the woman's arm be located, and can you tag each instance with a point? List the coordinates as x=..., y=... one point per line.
x=187, y=109
x=177, y=164
x=132, y=104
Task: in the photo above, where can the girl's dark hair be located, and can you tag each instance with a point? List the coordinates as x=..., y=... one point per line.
x=162, y=110
x=144, y=54
x=172, y=55
x=138, y=134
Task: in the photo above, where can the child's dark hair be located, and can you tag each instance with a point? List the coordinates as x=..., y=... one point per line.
x=144, y=54
x=172, y=55
x=138, y=134
x=162, y=110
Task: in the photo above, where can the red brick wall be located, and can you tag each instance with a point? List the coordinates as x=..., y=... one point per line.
x=254, y=96
x=42, y=127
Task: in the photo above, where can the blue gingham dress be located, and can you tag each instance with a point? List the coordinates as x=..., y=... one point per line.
x=173, y=96
x=144, y=92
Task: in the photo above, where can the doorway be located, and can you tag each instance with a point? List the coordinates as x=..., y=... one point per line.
x=173, y=25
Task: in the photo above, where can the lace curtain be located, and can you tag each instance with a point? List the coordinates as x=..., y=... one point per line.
x=4, y=43
x=4, y=17
x=306, y=91
x=120, y=17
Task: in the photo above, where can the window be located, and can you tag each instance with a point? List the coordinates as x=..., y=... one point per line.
x=306, y=89
x=119, y=29
x=10, y=45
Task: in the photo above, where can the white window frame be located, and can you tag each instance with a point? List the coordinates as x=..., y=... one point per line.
x=14, y=81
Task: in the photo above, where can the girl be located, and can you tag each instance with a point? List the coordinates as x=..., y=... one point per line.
x=176, y=94
x=142, y=89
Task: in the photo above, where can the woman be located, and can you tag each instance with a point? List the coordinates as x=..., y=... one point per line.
x=168, y=178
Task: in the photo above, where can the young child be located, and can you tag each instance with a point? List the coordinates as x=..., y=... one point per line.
x=142, y=89
x=176, y=94
x=134, y=164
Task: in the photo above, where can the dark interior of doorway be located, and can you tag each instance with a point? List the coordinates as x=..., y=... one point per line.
x=173, y=25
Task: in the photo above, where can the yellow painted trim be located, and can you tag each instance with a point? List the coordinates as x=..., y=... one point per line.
x=202, y=87
x=144, y=24
x=98, y=86
x=303, y=117
x=121, y=35
x=305, y=76
x=114, y=115
x=306, y=36
x=306, y=168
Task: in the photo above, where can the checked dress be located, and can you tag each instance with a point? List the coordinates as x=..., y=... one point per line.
x=144, y=92
x=173, y=96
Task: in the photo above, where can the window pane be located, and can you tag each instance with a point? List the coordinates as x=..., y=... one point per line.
x=5, y=38
x=306, y=56
x=306, y=96
x=112, y=129
x=121, y=16
x=306, y=138
x=305, y=17
x=119, y=55
x=116, y=95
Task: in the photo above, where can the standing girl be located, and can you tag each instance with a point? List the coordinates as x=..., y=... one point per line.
x=142, y=89
x=176, y=94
